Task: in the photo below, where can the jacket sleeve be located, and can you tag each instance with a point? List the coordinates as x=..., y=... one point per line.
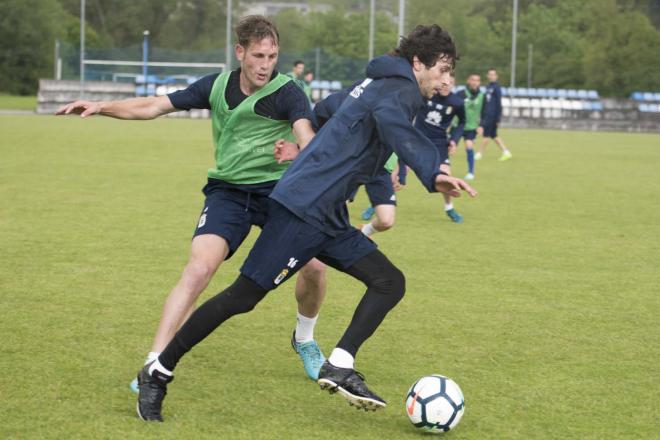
x=498, y=103
x=392, y=114
x=457, y=131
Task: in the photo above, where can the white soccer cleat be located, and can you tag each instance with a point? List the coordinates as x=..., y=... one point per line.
x=469, y=176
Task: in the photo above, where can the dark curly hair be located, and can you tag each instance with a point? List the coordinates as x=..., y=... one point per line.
x=255, y=28
x=428, y=43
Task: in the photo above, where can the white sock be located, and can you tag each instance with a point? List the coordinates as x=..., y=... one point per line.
x=341, y=358
x=158, y=366
x=152, y=356
x=449, y=206
x=368, y=229
x=305, y=328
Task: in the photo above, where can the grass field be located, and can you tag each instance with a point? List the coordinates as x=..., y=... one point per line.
x=13, y=102
x=544, y=305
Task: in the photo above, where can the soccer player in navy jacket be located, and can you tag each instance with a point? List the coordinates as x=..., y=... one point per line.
x=491, y=113
x=308, y=216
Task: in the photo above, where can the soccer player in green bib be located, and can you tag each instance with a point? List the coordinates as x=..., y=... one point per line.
x=473, y=98
x=251, y=109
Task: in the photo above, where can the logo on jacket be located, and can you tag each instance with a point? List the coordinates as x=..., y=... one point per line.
x=433, y=117
x=359, y=89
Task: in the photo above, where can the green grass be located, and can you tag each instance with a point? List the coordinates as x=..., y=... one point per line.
x=543, y=305
x=13, y=102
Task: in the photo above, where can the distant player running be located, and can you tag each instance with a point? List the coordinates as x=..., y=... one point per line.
x=473, y=100
x=308, y=215
x=253, y=106
x=434, y=121
x=490, y=117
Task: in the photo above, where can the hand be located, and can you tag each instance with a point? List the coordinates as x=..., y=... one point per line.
x=82, y=108
x=453, y=186
x=480, y=131
x=452, y=148
x=396, y=184
x=285, y=150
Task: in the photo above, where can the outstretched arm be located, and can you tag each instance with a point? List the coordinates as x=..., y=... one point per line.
x=134, y=108
x=285, y=150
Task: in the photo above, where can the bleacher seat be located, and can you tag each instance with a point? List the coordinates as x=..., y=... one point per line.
x=592, y=94
x=583, y=94
x=656, y=97
x=325, y=85
x=335, y=85
x=637, y=96
x=552, y=93
x=315, y=84
x=576, y=104
x=571, y=94
x=648, y=96
x=562, y=93
x=542, y=93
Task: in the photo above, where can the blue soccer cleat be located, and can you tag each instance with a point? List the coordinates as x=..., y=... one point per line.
x=311, y=356
x=368, y=213
x=134, y=386
x=454, y=216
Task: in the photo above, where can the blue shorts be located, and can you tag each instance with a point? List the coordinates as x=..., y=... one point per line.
x=230, y=214
x=380, y=190
x=287, y=243
x=469, y=135
x=443, y=148
x=490, y=129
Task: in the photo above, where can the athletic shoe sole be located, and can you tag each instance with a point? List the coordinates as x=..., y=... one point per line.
x=358, y=402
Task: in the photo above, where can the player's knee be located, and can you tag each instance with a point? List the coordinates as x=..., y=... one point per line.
x=391, y=282
x=385, y=223
x=198, y=272
x=313, y=271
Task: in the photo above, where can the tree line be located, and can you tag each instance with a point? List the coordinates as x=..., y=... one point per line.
x=612, y=46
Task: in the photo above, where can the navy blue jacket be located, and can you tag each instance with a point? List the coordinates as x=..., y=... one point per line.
x=436, y=117
x=492, y=108
x=373, y=121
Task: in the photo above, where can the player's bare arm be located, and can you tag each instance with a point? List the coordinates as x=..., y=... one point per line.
x=134, y=108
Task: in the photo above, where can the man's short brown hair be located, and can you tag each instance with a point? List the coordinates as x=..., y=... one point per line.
x=256, y=28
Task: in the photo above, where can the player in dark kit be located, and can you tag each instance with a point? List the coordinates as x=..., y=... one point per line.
x=434, y=121
x=491, y=113
x=308, y=215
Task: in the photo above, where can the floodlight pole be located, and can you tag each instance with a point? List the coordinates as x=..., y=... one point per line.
x=228, y=54
x=82, y=48
x=317, y=67
x=402, y=19
x=372, y=13
x=145, y=59
x=530, y=52
x=514, y=30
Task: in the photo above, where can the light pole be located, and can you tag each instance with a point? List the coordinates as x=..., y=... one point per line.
x=530, y=53
x=145, y=59
x=514, y=30
x=228, y=53
x=82, y=48
x=372, y=13
x=402, y=19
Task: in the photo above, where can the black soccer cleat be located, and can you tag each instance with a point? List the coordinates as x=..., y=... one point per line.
x=350, y=384
x=151, y=392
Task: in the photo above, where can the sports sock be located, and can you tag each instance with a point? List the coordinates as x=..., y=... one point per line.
x=470, y=160
x=152, y=356
x=305, y=328
x=158, y=366
x=449, y=206
x=341, y=358
x=368, y=229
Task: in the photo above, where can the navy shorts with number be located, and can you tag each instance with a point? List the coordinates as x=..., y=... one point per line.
x=380, y=190
x=287, y=243
x=490, y=129
x=230, y=213
x=469, y=135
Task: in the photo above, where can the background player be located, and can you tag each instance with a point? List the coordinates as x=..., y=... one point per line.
x=434, y=121
x=473, y=102
x=490, y=117
x=239, y=185
x=308, y=215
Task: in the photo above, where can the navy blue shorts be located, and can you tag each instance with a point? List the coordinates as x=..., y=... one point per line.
x=230, y=213
x=469, y=135
x=490, y=129
x=443, y=148
x=287, y=243
x=380, y=190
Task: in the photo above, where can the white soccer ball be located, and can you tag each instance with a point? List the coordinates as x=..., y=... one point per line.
x=435, y=404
